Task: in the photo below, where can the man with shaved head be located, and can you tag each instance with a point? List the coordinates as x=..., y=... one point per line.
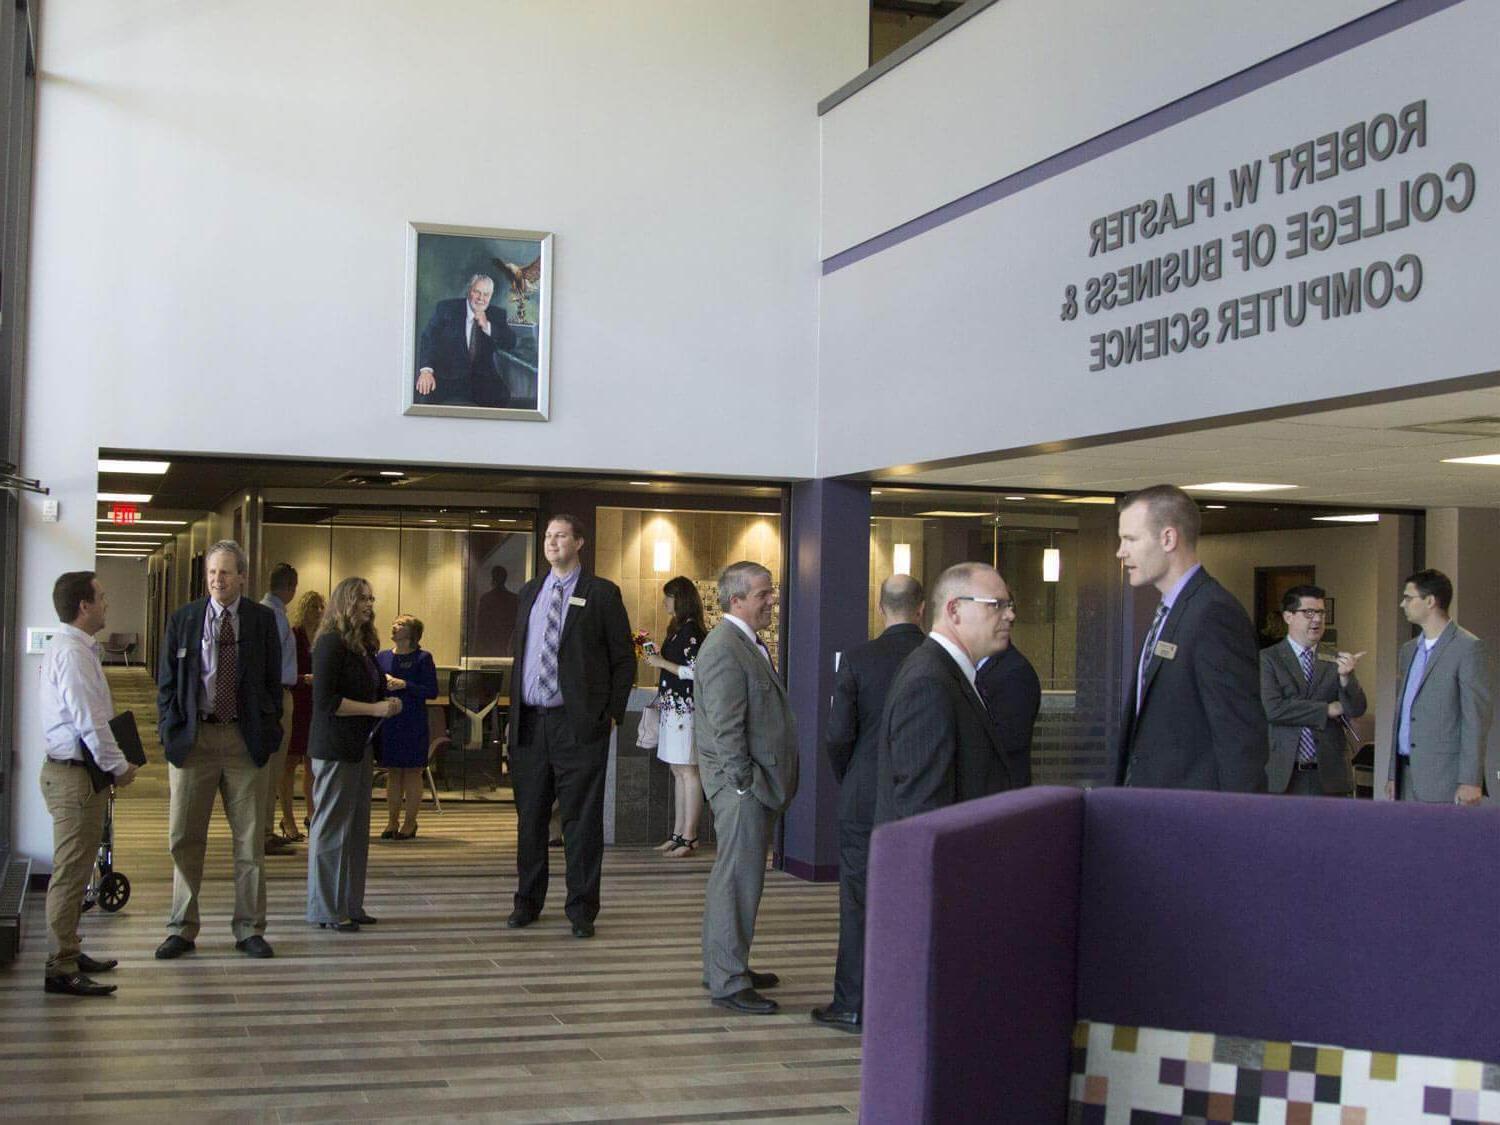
x=937, y=746
x=1193, y=716
x=864, y=677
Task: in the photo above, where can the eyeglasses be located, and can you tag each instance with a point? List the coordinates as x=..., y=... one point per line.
x=1000, y=604
x=1411, y=598
x=1312, y=614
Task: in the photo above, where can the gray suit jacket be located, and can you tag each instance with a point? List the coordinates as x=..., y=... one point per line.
x=1450, y=717
x=742, y=724
x=1291, y=703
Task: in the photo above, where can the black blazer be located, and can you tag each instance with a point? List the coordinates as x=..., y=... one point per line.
x=444, y=344
x=340, y=673
x=1201, y=724
x=179, y=681
x=859, y=693
x=595, y=656
x=937, y=745
x=1012, y=691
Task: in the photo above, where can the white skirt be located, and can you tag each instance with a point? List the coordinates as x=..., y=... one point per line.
x=675, y=743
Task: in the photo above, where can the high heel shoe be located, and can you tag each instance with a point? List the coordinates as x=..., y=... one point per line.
x=290, y=834
x=668, y=844
x=349, y=927
x=389, y=834
x=684, y=848
x=407, y=835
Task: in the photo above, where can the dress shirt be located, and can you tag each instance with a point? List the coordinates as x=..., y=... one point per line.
x=1167, y=600
x=1414, y=676
x=284, y=632
x=76, y=705
x=960, y=657
x=754, y=639
x=536, y=629
x=471, y=324
x=210, y=650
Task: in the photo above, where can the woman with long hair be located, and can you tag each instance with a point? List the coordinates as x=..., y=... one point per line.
x=411, y=676
x=674, y=699
x=349, y=704
x=307, y=615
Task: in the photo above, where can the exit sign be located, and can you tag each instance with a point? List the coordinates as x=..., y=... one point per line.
x=124, y=514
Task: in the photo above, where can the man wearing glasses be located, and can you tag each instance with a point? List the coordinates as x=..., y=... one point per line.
x=1193, y=719
x=1309, y=698
x=1444, y=708
x=937, y=745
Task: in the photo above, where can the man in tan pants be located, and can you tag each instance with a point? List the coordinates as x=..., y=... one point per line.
x=76, y=709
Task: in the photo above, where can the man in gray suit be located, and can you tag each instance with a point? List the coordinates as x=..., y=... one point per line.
x=747, y=755
x=1308, y=697
x=1444, y=706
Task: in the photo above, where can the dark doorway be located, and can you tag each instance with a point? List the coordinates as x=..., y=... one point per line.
x=1271, y=584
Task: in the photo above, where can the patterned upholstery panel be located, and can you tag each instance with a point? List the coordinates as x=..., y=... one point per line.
x=1149, y=1076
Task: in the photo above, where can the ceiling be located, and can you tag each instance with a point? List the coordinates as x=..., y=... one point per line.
x=1360, y=456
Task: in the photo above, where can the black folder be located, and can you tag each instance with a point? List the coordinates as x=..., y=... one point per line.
x=123, y=727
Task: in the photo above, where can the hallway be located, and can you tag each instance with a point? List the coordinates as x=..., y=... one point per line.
x=439, y=1011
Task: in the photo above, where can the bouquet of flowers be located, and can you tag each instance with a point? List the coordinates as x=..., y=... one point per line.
x=644, y=645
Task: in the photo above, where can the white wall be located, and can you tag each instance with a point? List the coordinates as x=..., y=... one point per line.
x=222, y=192
x=976, y=306
x=1346, y=561
x=124, y=582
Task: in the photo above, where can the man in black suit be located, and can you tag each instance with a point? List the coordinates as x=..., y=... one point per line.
x=1012, y=693
x=1193, y=716
x=859, y=690
x=937, y=746
x=574, y=664
x=1308, y=697
x=460, y=357
x=219, y=702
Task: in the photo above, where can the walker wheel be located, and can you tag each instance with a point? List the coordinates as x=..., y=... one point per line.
x=114, y=891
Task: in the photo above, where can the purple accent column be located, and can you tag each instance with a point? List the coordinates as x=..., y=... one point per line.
x=827, y=608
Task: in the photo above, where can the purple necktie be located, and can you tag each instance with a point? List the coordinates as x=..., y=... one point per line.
x=546, y=681
x=1307, y=744
x=226, y=671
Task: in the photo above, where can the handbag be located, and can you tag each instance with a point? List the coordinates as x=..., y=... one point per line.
x=650, y=731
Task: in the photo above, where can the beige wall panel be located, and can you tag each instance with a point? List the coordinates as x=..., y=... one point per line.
x=372, y=553
x=432, y=588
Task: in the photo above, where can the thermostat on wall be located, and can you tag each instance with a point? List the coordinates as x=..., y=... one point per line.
x=36, y=640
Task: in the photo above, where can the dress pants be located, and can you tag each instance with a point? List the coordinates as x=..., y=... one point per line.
x=277, y=765
x=1306, y=783
x=742, y=827
x=338, y=844
x=217, y=763
x=77, y=828
x=854, y=865
x=550, y=764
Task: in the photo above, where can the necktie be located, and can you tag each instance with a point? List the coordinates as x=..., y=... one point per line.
x=473, y=339
x=226, y=671
x=1413, y=682
x=764, y=651
x=1146, y=649
x=546, y=682
x=1307, y=746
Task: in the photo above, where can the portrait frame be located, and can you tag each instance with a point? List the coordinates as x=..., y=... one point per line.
x=515, y=383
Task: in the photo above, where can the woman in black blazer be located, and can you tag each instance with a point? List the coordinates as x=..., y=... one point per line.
x=348, y=704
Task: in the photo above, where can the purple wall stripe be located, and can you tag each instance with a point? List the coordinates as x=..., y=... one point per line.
x=1357, y=33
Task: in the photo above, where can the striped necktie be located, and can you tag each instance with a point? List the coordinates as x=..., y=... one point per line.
x=1307, y=745
x=546, y=682
x=1146, y=650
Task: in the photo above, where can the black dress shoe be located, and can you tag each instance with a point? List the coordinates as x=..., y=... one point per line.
x=520, y=918
x=363, y=919
x=76, y=984
x=583, y=929
x=255, y=946
x=845, y=1019
x=87, y=964
x=349, y=927
x=388, y=834
x=757, y=980
x=175, y=946
x=277, y=846
x=749, y=1001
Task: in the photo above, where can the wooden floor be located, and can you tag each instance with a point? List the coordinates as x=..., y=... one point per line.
x=438, y=1012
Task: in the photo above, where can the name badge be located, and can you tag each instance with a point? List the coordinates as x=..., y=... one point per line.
x=1166, y=650
x=576, y=600
x=181, y=653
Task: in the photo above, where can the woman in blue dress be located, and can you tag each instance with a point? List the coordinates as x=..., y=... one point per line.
x=411, y=676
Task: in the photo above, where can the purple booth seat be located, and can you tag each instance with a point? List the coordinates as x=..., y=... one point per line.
x=994, y=925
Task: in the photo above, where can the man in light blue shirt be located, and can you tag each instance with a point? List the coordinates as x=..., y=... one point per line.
x=283, y=588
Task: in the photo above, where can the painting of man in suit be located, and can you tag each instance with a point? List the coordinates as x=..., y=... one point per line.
x=478, y=312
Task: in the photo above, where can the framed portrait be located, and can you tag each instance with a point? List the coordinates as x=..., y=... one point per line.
x=478, y=322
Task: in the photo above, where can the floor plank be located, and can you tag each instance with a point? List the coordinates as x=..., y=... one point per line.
x=438, y=1012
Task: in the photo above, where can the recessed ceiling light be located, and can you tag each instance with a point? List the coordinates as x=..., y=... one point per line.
x=1088, y=499
x=1237, y=486
x=1483, y=459
x=1358, y=517
x=941, y=512
x=124, y=497
x=638, y=482
x=481, y=525
x=429, y=521
x=168, y=523
x=1216, y=507
x=391, y=473
x=144, y=468
x=1015, y=498
x=137, y=534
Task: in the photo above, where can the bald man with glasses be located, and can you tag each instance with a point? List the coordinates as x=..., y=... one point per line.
x=1309, y=697
x=937, y=745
